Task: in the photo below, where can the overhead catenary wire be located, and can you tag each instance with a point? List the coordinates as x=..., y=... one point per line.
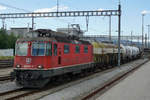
x=24, y=10
x=13, y=7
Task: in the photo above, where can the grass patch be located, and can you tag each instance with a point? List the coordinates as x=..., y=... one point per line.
x=6, y=57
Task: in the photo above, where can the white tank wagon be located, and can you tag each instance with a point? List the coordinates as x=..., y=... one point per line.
x=130, y=52
x=125, y=53
x=135, y=52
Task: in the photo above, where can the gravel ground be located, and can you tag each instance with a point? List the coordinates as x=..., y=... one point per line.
x=5, y=71
x=8, y=87
x=135, y=87
x=77, y=91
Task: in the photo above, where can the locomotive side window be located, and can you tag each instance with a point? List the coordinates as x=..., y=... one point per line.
x=55, y=49
x=48, y=49
x=85, y=49
x=77, y=49
x=38, y=49
x=41, y=49
x=21, y=49
x=66, y=49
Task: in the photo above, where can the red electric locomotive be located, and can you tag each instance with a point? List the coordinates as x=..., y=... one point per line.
x=38, y=59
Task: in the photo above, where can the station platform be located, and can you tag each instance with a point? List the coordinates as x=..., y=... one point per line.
x=135, y=87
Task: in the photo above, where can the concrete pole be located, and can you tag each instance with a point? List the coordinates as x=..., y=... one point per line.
x=138, y=40
x=28, y=25
x=145, y=40
x=57, y=5
x=109, y=28
x=32, y=22
x=131, y=36
x=3, y=23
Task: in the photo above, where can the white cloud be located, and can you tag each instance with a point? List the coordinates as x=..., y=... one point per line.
x=3, y=7
x=145, y=12
x=100, y=9
x=53, y=9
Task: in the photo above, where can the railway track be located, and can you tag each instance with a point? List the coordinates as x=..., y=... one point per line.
x=21, y=93
x=4, y=78
x=27, y=93
x=6, y=63
x=14, y=94
x=111, y=83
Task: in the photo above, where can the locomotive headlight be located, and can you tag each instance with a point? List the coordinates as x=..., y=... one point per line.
x=18, y=66
x=40, y=67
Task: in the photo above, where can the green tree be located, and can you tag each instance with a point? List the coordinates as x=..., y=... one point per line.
x=7, y=41
x=11, y=40
x=3, y=39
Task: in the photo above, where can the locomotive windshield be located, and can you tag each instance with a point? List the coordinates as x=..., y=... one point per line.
x=38, y=49
x=41, y=49
x=21, y=49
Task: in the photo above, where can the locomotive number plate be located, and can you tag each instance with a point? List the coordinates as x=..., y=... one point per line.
x=26, y=66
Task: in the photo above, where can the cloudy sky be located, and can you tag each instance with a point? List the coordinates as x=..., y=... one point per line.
x=131, y=14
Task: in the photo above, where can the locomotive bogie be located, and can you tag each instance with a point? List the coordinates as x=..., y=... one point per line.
x=39, y=78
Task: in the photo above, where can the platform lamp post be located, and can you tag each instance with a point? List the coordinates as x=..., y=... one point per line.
x=143, y=14
x=148, y=35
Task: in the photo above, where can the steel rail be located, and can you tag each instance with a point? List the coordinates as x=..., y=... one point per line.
x=4, y=78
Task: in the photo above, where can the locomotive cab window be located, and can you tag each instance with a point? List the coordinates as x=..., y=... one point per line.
x=38, y=49
x=55, y=49
x=85, y=49
x=77, y=49
x=66, y=49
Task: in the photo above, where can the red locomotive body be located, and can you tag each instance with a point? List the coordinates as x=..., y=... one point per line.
x=51, y=54
x=39, y=59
